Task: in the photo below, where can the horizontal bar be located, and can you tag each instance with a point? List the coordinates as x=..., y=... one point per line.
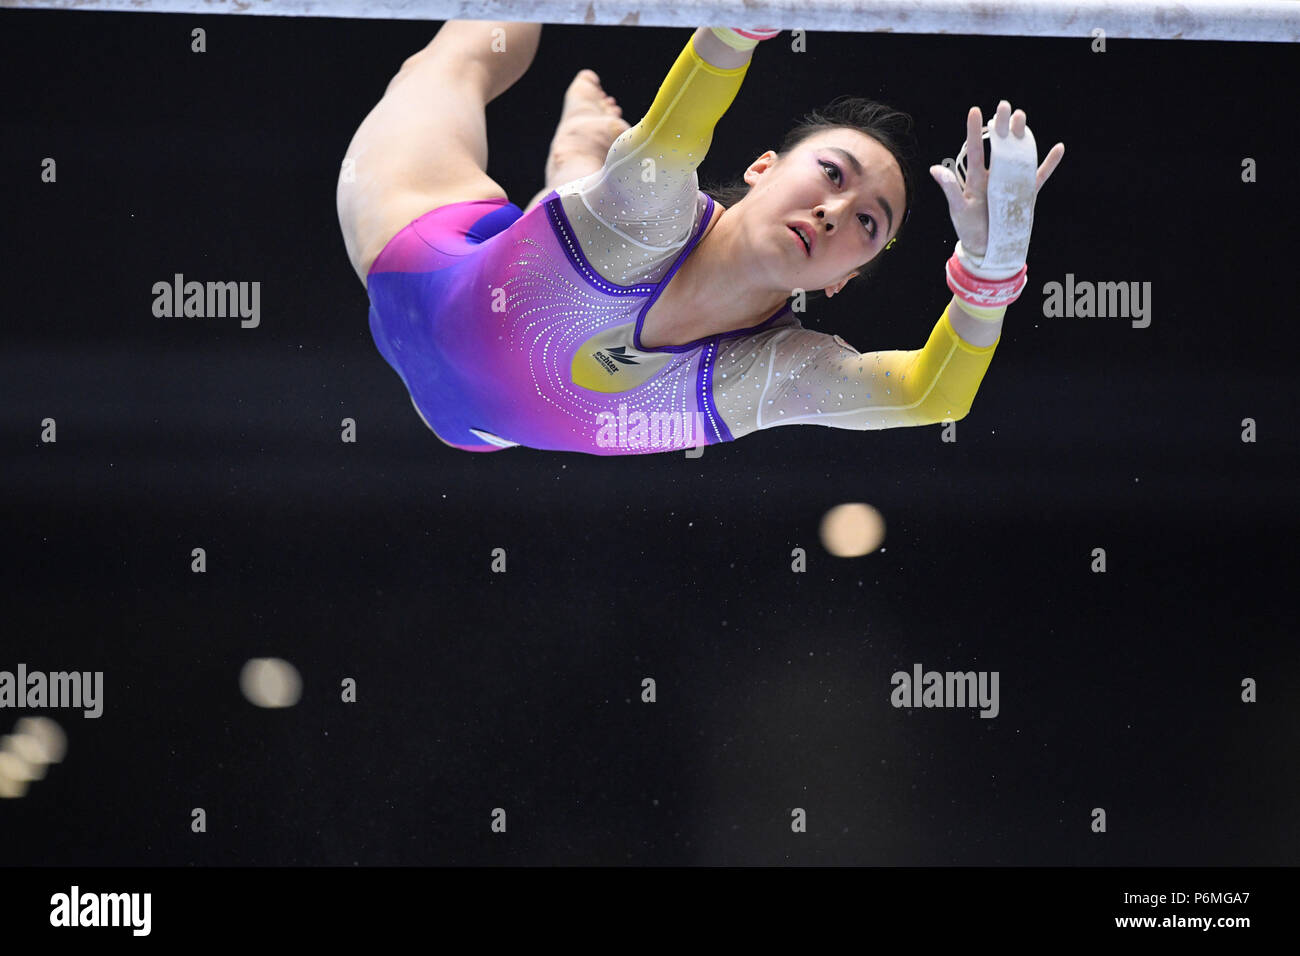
x=1274, y=21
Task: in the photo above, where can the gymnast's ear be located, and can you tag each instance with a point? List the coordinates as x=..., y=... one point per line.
x=760, y=166
x=832, y=289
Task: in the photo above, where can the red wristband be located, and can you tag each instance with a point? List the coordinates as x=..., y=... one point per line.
x=986, y=293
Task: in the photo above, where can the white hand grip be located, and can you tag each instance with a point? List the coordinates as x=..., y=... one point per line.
x=1013, y=172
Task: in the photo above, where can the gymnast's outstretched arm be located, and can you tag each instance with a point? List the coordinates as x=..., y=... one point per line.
x=794, y=375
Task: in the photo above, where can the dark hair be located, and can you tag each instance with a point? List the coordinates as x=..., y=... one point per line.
x=887, y=126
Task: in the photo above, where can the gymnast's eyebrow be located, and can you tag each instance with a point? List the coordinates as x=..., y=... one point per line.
x=857, y=168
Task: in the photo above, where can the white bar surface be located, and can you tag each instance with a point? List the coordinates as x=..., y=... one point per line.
x=1272, y=21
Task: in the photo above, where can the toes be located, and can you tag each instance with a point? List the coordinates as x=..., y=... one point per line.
x=581, y=80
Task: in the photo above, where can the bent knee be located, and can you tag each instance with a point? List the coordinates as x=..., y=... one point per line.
x=444, y=67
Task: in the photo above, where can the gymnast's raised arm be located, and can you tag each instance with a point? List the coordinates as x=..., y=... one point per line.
x=793, y=376
x=733, y=51
x=653, y=163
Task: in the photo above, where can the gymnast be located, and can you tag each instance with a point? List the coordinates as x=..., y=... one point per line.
x=625, y=311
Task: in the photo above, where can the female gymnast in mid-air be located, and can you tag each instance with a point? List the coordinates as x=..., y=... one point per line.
x=624, y=311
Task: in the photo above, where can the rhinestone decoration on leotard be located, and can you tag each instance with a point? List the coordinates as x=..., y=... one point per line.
x=550, y=312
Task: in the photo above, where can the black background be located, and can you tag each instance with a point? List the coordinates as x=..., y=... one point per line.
x=521, y=690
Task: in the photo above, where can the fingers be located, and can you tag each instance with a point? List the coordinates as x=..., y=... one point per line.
x=1002, y=119
x=976, y=172
x=1007, y=122
x=1003, y=123
x=1049, y=166
x=947, y=181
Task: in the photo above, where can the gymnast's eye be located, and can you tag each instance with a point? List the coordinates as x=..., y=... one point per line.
x=839, y=176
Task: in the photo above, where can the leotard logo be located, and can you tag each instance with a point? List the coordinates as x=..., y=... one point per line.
x=608, y=362
x=607, y=358
x=620, y=355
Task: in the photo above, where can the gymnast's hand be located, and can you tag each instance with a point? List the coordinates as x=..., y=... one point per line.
x=969, y=207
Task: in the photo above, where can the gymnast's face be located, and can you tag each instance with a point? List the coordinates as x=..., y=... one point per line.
x=843, y=185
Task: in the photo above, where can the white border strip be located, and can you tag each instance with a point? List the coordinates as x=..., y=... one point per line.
x=1271, y=21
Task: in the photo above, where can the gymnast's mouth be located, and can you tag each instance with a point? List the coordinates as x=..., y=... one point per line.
x=805, y=237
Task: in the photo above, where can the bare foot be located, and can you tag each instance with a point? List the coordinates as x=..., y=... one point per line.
x=589, y=124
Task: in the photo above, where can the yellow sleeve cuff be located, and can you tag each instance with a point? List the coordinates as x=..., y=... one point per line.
x=733, y=39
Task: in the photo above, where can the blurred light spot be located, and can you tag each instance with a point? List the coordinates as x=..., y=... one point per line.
x=47, y=733
x=24, y=754
x=29, y=750
x=10, y=788
x=270, y=682
x=15, y=769
x=852, y=530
